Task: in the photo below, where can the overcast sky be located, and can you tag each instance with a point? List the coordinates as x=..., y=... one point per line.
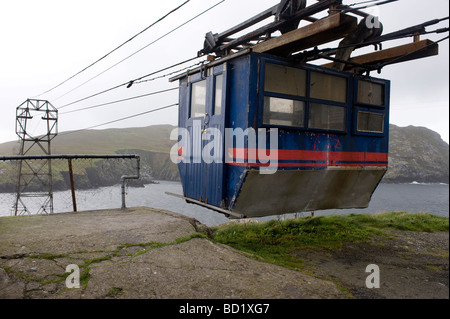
x=44, y=42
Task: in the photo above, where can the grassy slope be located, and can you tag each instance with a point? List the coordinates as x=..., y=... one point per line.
x=274, y=241
x=152, y=138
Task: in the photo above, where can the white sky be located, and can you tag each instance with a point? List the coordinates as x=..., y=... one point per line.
x=44, y=42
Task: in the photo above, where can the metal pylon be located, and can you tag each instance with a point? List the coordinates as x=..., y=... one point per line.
x=36, y=126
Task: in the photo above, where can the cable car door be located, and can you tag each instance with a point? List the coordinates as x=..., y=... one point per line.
x=206, y=126
x=214, y=139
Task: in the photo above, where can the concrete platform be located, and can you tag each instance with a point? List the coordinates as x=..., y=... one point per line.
x=137, y=253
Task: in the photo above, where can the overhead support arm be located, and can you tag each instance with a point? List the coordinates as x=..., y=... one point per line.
x=212, y=40
x=362, y=34
x=322, y=31
x=288, y=15
x=402, y=53
x=377, y=60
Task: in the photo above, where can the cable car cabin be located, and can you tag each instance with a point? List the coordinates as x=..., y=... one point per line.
x=260, y=135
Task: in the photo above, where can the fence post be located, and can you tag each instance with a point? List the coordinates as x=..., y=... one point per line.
x=72, y=185
x=125, y=178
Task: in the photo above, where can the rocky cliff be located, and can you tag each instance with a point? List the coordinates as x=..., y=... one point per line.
x=417, y=154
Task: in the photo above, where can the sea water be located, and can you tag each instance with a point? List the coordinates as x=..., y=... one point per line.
x=412, y=198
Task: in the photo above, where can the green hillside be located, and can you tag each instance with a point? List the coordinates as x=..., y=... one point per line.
x=151, y=138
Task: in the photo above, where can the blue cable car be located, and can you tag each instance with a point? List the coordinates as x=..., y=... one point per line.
x=264, y=135
x=263, y=132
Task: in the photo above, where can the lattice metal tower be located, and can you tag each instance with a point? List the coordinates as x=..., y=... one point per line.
x=36, y=126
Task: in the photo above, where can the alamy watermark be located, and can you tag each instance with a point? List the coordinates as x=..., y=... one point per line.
x=258, y=148
x=73, y=280
x=373, y=19
x=373, y=280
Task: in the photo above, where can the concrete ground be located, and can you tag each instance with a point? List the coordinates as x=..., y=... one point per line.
x=137, y=253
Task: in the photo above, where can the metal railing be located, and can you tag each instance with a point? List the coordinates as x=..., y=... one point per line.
x=21, y=179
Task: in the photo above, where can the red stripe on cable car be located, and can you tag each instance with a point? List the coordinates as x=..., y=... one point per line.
x=331, y=157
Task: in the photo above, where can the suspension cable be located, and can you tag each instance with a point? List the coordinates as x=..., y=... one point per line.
x=121, y=45
x=128, y=83
x=141, y=49
x=119, y=101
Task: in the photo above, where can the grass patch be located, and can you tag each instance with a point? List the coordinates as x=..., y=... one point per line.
x=156, y=245
x=85, y=276
x=114, y=292
x=274, y=241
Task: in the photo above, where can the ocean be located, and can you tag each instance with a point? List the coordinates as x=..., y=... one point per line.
x=412, y=198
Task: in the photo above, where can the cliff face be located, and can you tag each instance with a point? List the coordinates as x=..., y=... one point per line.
x=151, y=143
x=417, y=154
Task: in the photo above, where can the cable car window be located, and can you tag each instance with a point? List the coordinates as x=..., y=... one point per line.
x=198, y=99
x=370, y=93
x=328, y=87
x=327, y=117
x=283, y=112
x=218, y=95
x=285, y=80
x=370, y=122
